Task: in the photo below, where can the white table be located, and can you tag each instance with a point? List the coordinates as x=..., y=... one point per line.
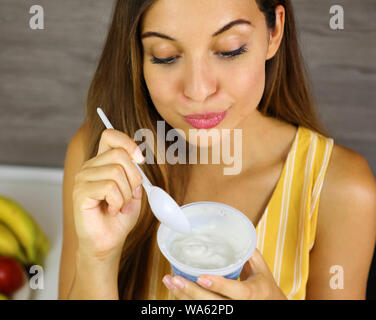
x=39, y=191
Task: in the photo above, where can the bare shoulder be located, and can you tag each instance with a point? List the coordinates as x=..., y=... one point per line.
x=74, y=158
x=79, y=140
x=348, y=177
x=75, y=155
x=346, y=228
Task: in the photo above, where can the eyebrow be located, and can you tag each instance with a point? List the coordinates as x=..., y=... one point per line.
x=223, y=29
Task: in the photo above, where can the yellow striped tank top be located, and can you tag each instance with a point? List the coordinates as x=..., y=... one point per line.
x=286, y=231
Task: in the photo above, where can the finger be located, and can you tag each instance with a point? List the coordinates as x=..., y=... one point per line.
x=95, y=191
x=112, y=138
x=232, y=289
x=113, y=172
x=121, y=157
x=247, y=271
x=256, y=264
x=183, y=288
x=167, y=281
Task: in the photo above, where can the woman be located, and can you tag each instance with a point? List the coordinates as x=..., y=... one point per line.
x=313, y=202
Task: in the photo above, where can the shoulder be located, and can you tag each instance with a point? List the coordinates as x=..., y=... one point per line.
x=349, y=189
x=79, y=138
x=348, y=180
x=75, y=156
x=77, y=144
x=346, y=228
x=75, y=153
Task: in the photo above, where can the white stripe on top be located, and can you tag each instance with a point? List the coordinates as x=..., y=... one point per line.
x=299, y=248
x=284, y=211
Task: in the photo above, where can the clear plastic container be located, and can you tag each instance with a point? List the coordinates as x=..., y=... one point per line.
x=230, y=223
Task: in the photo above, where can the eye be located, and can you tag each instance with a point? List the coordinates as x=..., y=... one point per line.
x=226, y=55
x=232, y=54
x=156, y=60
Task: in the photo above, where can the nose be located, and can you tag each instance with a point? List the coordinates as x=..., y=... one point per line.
x=199, y=81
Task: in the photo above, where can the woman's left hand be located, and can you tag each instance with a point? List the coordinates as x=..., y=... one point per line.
x=257, y=283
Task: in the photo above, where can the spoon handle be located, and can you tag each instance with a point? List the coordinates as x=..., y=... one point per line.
x=146, y=183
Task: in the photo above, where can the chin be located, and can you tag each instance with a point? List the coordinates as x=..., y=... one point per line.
x=202, y=146
x=203, y=139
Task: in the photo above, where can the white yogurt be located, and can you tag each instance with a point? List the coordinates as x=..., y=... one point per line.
x=218, y=239
x=205, y=251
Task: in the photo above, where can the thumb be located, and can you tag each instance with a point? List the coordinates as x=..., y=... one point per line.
x=255, y=264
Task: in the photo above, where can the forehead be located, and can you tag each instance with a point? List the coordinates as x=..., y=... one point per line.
x=178, y=16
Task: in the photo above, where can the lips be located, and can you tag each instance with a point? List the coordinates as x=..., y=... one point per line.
x=205, y=120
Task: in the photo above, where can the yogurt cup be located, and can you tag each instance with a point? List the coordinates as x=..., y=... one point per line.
x=224, y=221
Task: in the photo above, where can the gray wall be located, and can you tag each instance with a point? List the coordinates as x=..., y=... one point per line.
x=342, y=67
x=45, y=74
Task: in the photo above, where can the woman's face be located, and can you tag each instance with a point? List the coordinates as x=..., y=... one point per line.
x=196, y=66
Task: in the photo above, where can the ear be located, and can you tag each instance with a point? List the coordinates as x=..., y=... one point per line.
x=276, y=35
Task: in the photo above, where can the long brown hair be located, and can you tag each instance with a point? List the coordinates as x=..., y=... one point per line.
x=118, y=86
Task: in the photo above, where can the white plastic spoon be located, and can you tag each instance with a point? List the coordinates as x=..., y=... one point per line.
x=161, y=203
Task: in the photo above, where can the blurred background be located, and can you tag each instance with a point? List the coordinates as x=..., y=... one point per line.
x=45, y=75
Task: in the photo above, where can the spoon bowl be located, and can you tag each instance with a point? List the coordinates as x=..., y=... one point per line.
x=167, y=210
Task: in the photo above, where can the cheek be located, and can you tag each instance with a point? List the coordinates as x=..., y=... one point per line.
x=159, y=83
x=160, y=87
x=248, y=84
x=161, y=90
x=156, y=85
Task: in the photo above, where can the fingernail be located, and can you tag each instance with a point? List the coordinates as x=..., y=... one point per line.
x=178, y=282
x=138, y=156
x=138, y=193
x=204, y=281
x=167, y=281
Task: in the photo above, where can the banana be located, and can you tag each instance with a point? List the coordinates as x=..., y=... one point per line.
x=43, y=245
x=15, y=217
x=3, y=297
x=9, y=245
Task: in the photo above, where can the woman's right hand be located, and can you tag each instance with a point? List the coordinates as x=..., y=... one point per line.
x=107, y=196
